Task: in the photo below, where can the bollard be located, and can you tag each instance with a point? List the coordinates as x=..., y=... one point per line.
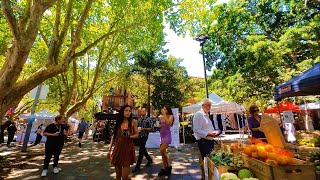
x=20, y=140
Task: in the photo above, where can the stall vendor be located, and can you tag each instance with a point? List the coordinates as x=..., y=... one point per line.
x=254, y=122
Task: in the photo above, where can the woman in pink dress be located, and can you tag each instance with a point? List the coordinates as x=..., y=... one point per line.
x=123, y=155
x=166, y=121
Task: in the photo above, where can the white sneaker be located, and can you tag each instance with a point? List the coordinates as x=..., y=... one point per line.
x=44, y=173
x=55, y=170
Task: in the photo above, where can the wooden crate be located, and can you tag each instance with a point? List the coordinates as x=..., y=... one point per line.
x=264, y=171
x=221, y=169
x=304, y=152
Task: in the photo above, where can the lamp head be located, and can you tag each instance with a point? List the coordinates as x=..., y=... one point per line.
x=202, y=37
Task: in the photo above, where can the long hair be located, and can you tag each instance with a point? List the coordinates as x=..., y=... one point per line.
x=120, y=120
x=169, y=110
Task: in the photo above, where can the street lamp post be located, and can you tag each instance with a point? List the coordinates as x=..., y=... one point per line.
x=202, y=39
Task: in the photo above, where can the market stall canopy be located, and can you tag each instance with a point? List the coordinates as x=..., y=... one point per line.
x=315, y=105
x=227, y=107
x=72, y=120
x=44, y=114
x=306, y=83
x=196, y=107
x=284, y=106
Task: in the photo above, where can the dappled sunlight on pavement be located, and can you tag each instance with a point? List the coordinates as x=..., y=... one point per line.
x=90, y=162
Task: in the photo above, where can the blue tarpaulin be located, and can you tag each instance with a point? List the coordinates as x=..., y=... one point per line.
x=306, y=83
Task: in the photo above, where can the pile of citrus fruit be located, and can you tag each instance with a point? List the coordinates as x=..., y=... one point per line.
x=269, y=154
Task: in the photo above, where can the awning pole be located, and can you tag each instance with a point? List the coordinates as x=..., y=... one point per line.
x=306, y=111
x=183, y=135
x=279, y=113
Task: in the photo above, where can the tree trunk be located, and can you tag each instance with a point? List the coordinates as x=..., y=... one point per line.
x=25, y=33
x=76, y=107
x=148, y=105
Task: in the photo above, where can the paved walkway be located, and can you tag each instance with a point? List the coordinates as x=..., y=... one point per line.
x=90, y=162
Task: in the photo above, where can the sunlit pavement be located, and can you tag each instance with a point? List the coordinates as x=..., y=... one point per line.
x=90, y=162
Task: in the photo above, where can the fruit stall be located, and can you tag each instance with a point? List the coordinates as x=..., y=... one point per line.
x=255, y=159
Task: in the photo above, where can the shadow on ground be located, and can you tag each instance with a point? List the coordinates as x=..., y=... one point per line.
x=90, y=162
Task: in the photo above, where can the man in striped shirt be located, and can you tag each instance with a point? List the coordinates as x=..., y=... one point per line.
x=145, y=125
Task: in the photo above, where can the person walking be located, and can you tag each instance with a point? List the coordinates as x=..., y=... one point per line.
x=55, y=134
x=82, y=128
x=106, y=131
x=39, y=136
x=123, y=154
x=166, y=121
x=3, y=127
x=11, y=131
x=204, y=131
x=145, y=125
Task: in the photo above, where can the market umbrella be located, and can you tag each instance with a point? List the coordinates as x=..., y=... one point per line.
x=283, y=106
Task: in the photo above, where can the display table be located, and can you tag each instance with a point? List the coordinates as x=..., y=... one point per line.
x=228, y=137
x=153, y=140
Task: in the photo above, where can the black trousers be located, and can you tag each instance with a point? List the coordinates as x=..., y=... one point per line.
x=1, y=136
x=10, y=138
x=142, y=151
x=205, y=147
x=38, y=139
x=49, y=152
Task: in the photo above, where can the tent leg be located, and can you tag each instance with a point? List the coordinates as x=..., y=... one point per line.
x=279, y=113
x=238, y=120
x=183, y=135
x=306, y=118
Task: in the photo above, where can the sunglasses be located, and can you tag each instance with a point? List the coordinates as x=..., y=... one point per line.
x=256, y=110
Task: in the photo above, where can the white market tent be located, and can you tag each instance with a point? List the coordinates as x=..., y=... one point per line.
x=227, y=107
x=315, y=105
x=196, y=107
x=218, y=106
x=73, y=123
x=41, y=115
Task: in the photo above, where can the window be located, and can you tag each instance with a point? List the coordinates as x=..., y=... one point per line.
x=121, y=101
x=111, y=102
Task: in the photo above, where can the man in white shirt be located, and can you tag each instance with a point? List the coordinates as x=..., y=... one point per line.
x=204, y=131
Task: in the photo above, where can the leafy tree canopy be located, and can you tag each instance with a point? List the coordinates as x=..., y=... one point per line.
x=254, y=45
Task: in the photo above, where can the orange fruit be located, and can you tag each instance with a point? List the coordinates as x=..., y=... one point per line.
x=272, y=156
x=282, y=160
x=290, y=160
x=234, y=146
x=262, y=154
x=269, y=148
x=247, y=150
x=254, y=155
x=260, y=148
x=254, y=148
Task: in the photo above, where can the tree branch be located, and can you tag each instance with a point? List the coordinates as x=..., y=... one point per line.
x=83, y=18
x=85, y=50
x=69, y=91
x=66, y=21
x=69, y=55
x=23, y=108
x=11, y=19
x=57, y=21
x=36, y=13
x=44, y=38
x=25, y=17
x=59, y=88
